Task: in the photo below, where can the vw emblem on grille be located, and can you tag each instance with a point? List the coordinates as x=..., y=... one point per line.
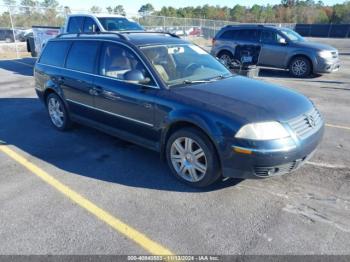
x=310, y=120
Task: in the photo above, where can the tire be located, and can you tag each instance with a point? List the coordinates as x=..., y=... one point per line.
x=9, y=40
x=300, y=67
x=57, y=112
x=196, y=164
x=226, y=58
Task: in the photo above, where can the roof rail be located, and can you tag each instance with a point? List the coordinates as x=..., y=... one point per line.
x=121, y=36
x=149, y=32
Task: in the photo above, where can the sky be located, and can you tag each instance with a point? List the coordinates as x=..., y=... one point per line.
x=132, y=6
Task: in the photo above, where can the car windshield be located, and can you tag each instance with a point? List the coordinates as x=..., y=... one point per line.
x=119, y=24
x=292, y=35
x=184, y=64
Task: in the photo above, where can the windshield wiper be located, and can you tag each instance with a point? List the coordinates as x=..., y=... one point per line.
x=196, y=81
x=220, y=77
x=207, y=80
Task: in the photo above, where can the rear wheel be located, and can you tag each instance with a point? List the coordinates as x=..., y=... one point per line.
x=300, y=67
x=192, y=158
x=225, y=58
x=57, y=112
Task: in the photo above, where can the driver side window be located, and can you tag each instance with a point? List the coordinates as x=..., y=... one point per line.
x=116, y=61
x=270, y=37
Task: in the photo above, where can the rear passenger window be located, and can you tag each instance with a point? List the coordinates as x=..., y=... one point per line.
x=251, y=35
x=82, y=56
x=75, y=24
x=230, y=34
x=54, y=53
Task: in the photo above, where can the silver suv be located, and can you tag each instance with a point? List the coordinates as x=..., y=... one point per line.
x=280, y=48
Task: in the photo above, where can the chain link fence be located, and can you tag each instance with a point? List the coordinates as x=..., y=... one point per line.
x=16, y=23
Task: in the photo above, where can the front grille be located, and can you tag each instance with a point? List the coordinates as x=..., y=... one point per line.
x=306, y=124
x=268, y=171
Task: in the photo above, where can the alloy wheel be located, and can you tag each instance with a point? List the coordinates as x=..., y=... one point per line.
x=56, y=112
x=299, y=67
x=225, y=59
x=188, y=159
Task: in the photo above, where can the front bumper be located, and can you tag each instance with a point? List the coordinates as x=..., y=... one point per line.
x=326, y=66
x=273, y=161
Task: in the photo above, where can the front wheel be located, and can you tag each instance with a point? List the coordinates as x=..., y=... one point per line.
x=192, y=158
x=57, y=112
x=300, y=67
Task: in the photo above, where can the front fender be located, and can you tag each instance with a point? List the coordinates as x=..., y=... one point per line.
x=205, y=123
x=301, y=52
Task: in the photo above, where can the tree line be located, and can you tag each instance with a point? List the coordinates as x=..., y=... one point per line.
x=288, y=11
x=49, y=12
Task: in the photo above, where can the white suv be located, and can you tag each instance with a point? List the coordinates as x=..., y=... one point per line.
x=84, y=23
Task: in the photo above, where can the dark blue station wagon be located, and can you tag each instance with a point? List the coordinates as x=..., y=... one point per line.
x=166, y=94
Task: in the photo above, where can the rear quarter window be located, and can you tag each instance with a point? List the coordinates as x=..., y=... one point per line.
x=54, y=53
x=82, y=56
x=251, y=35
x=230, y=34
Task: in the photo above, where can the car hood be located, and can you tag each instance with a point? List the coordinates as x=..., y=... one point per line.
x=316, y=46
x=246, y=100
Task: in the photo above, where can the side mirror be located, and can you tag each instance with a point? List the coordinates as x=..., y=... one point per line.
x=136, y=76
x=282, y=41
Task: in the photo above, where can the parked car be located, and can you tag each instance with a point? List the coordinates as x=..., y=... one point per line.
x=166, y=94
x=6, y=35
x=194, y=31
x=280, y=48
x=79, y=23
x=37, y=37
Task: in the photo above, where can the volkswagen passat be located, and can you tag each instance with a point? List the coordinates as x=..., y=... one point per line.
x=163, y=93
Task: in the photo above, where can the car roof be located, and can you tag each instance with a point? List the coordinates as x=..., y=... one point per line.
x=97, y=15
x=245, y=26
x=137, y=38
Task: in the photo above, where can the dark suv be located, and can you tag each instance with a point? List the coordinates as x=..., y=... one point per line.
x=164, y=93
x=280, y=48
x=7, y=35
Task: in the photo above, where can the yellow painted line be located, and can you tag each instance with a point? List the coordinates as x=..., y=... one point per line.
x=121, y=227
x=337, y=126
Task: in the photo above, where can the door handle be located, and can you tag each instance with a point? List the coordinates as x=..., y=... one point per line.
x=95, y=91
x=59, y=80
x=111, y=95
x=147, y=105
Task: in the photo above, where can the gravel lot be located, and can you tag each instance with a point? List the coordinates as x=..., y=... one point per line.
x=307, y=212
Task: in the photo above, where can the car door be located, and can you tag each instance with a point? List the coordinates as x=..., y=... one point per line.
x=125, y=105
x=273, y=53
x=78, y=77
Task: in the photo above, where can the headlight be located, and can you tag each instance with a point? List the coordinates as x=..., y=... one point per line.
x=262, y=131
x=325, y=54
